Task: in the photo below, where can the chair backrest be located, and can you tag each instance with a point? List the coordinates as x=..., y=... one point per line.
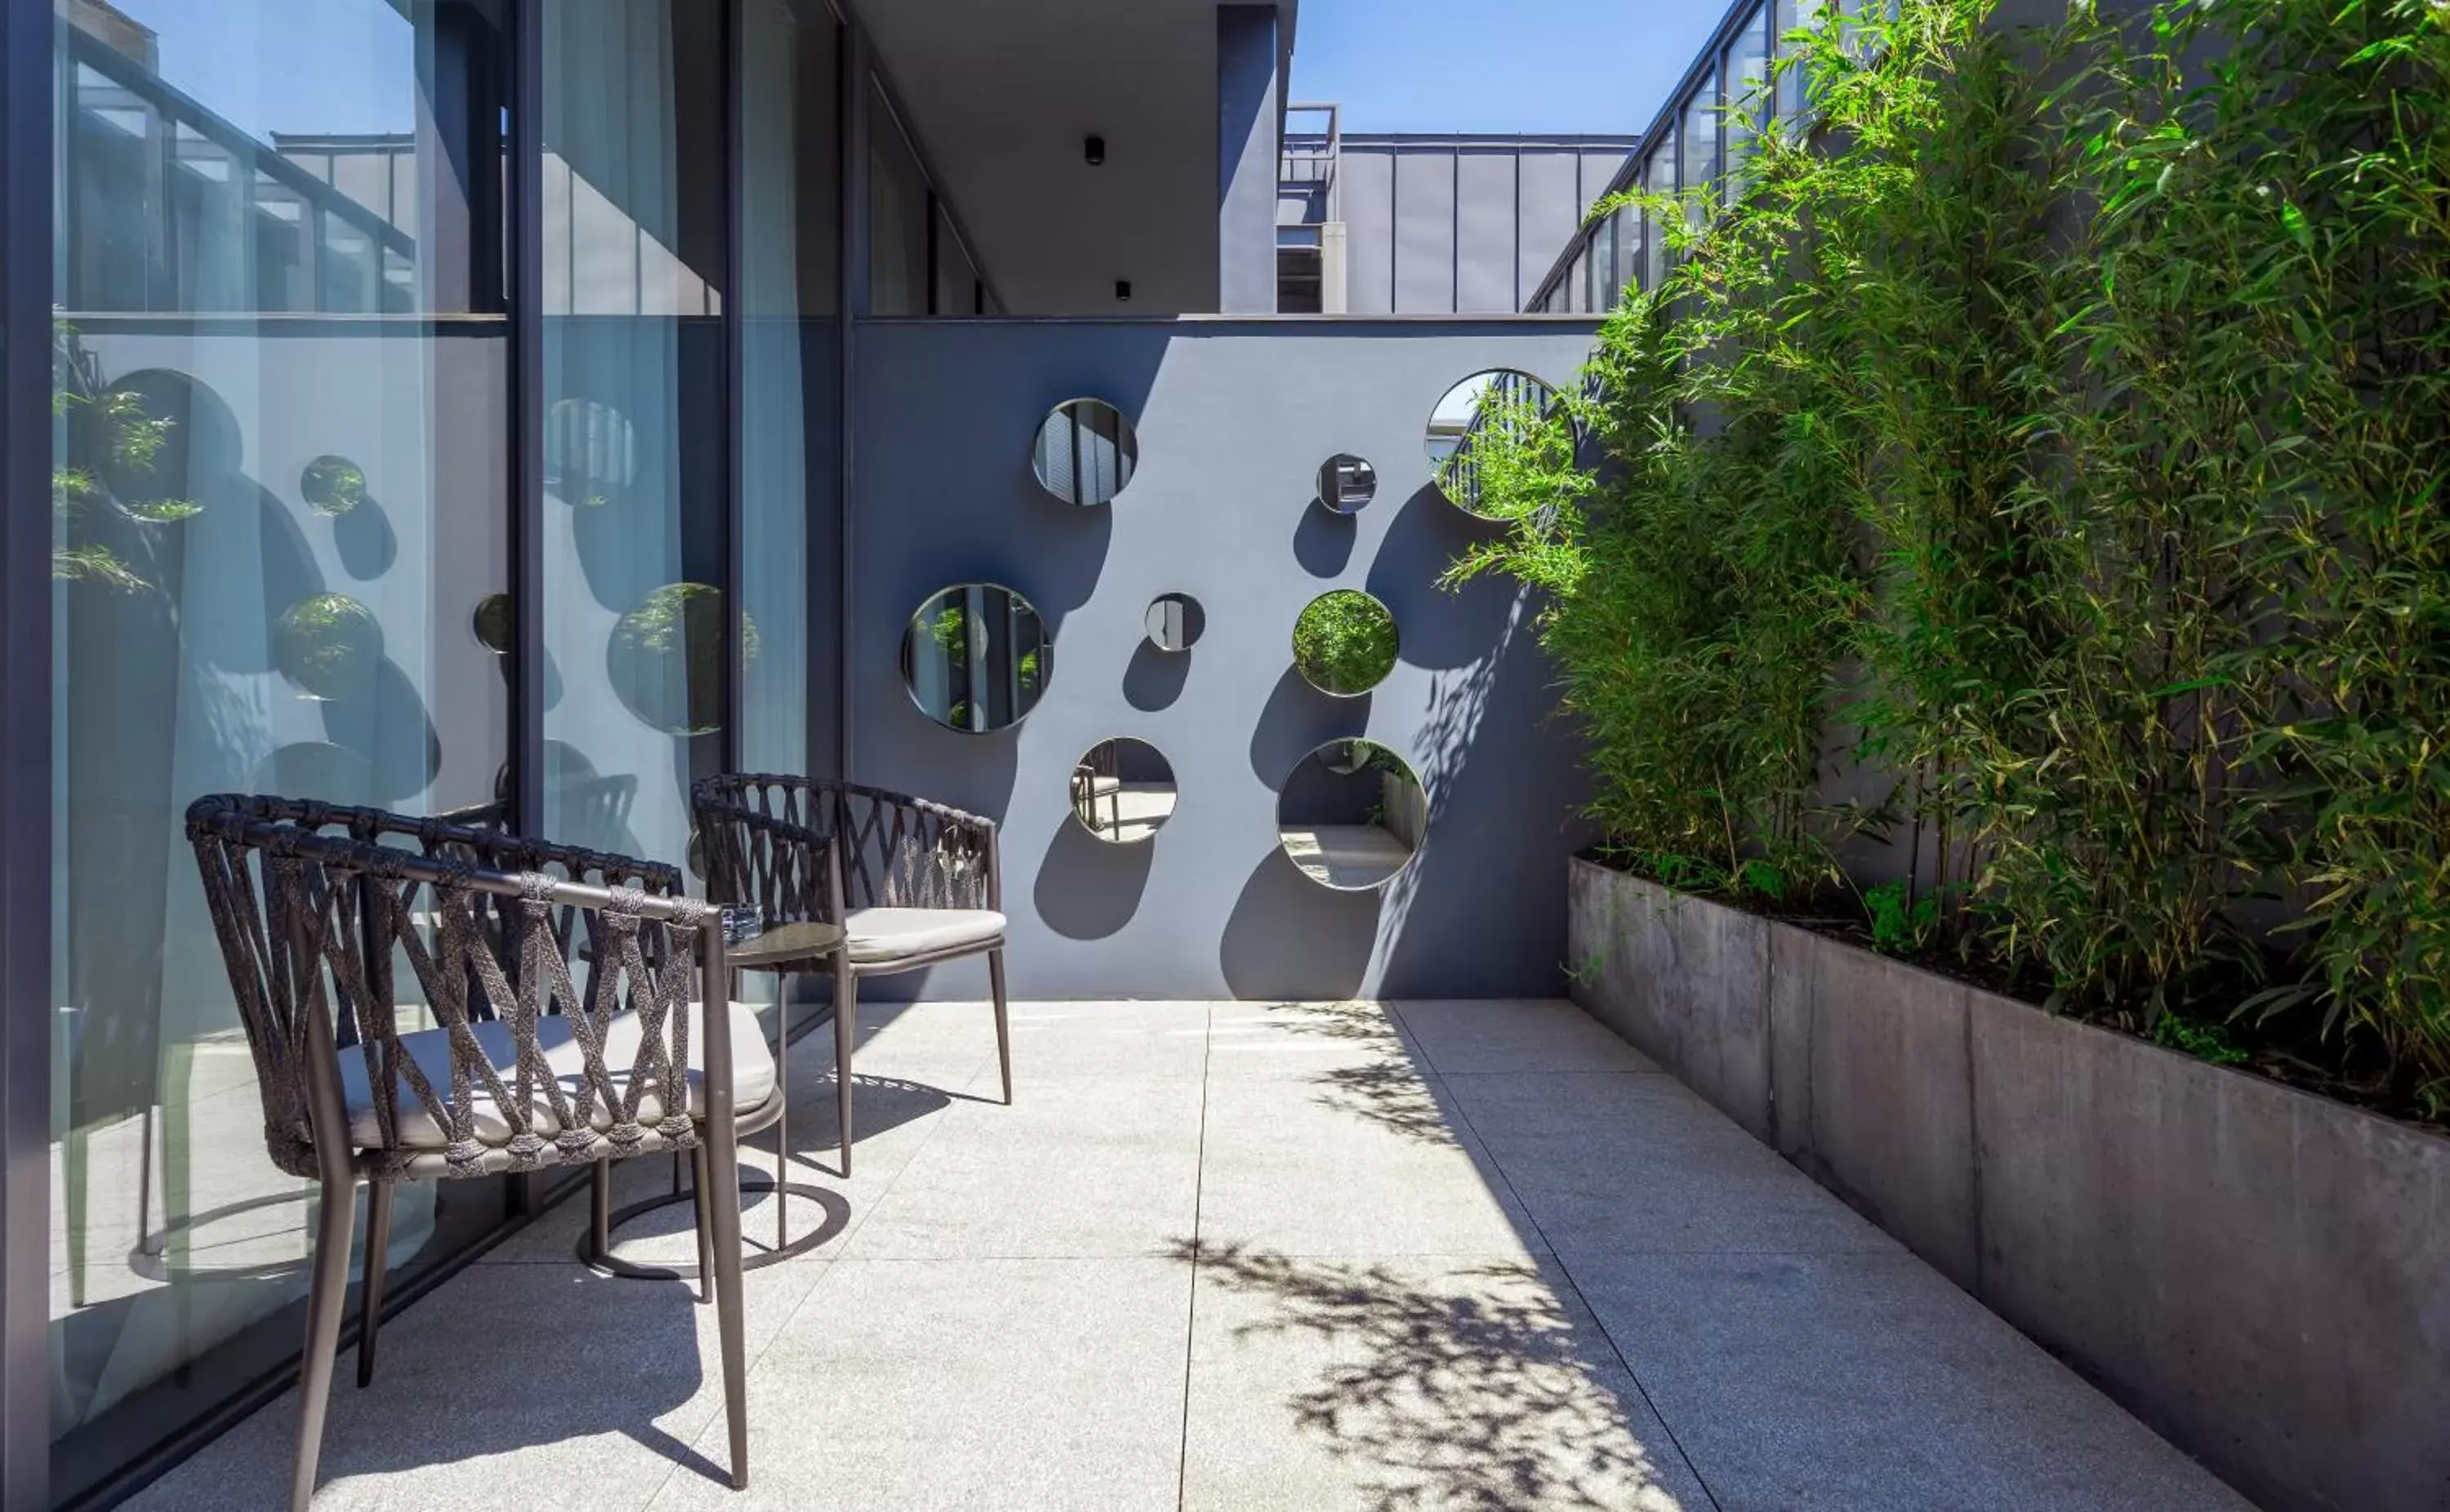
x=313, y=913
x=765, y=842
x=766, y=837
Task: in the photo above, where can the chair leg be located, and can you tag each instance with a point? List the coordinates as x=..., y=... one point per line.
x=326, y=1297
x=370, y=1290
x=719, y=1197
x=599, y=1208
x=698, y=1186
x=1004, y=1021
x=845, y=1031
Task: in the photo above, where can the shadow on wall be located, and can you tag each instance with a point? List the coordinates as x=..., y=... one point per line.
x=1427, y=902
x=1088, y=888
x=1280, y=906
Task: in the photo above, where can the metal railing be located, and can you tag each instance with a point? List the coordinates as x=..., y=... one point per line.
x=1313, y=156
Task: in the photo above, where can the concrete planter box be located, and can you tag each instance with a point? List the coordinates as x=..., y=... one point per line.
x=2261, y=1274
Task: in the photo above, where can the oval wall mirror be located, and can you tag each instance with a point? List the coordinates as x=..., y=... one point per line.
x=1176, y=622
x=1345, y=642
x=975, y=658
x=1122, y=791
x=1346, y=483
x=1485, y=409
x=1086, y=453
x=1353, y=815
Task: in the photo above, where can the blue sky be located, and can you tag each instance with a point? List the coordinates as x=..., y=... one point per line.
x=1498, y=65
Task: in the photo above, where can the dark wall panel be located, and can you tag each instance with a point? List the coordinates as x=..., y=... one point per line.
x=1368, y=206
x=1487, y=260
x=1233, y=419
x=1424, y=210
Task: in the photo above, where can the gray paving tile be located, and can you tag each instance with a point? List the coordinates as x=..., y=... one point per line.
x=1060, y=1043
x=1425, y=1386
x=1367, y=1160
x=510, y=1388
x=1074, y=1168
x=1620, y=1164
x=1515, y=1034
x=1304, y=1039
x=1852, y=1381
x=1011, y=1385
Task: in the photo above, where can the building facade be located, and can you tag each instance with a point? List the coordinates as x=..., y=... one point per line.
x=1427, y=223
x=518, y=409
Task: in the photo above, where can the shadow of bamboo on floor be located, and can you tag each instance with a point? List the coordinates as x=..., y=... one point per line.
x=1463, y=1386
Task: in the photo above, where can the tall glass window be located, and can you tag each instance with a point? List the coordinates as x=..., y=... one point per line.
x=1700, y=145
x=275, y=540
x=899, y=268
x=1604, y=285
x=1743, y=74
x=634, y=435
x=1658, y=178
x=1629, y=248
x=1794, y=84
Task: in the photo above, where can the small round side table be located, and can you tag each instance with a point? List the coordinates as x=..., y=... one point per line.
x=782, y=949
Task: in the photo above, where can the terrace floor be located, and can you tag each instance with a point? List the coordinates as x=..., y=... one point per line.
x=1237, y=1256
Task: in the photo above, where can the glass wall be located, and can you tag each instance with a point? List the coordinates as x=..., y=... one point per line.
x=791, y=332
x=634, y=432
x=278, y=500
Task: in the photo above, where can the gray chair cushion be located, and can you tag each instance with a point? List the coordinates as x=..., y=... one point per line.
x=753, y=1076
x=881, y=935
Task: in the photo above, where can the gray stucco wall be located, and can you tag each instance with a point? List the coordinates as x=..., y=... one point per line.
x=1233, y=419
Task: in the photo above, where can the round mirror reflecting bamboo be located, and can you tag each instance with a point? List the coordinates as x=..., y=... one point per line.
x=1345, y=642
x=1176, y=622
x=1346, y=483
x=1353, y=815
x=1122, y=791
x=1479, y=419
x=975, y=658
x=1086, y=453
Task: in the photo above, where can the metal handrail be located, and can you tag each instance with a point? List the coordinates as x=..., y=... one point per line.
x=173, y=104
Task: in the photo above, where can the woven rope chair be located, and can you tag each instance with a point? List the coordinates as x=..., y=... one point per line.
x=527, y=1069
x=914, y=884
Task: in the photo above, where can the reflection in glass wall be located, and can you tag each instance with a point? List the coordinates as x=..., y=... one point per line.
x=791, y=336
x=270, y=542
x=633, y=381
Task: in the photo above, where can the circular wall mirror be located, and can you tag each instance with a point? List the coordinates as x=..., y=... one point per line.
x=1345, y=642
x=1176, y=622
x=1484, y=410
x=1086, y=453
x=1353, y=815
x=1346, y=483
x=1122, y=791
x=975, y=658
